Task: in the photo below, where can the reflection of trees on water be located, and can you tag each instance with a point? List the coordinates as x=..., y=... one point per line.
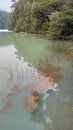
x=52, y=52
x=27, y=47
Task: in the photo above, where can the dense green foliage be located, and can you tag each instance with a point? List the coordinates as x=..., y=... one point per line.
x=4, y=17
x=51, y=17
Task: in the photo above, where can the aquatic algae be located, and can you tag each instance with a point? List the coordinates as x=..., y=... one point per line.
x=50, y=69
x=42, y=88
x=46, y=74
x=13, y=91
x=57, y=68
x=51, y=73
x=31, y=108
x=51, y=79
x=33, y=99
x=42, y=84
x=9, y=95
x=59, y=75
x=29, y=101
x=34, y=93
x=7, y=106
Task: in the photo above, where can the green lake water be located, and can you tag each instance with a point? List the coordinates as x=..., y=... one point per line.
x=20, y=58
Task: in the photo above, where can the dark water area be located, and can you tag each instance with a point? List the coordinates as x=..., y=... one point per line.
x=24, y=59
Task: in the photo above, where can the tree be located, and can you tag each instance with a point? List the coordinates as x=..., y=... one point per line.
x=61, y=24
x=21, y=14
x=51, y=17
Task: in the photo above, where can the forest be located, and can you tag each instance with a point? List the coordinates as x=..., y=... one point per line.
x=4, y=17
x=53, y=18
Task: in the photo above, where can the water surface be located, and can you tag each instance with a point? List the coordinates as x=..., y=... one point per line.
x=20, y=57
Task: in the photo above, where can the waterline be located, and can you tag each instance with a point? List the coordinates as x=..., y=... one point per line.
x=4, y=30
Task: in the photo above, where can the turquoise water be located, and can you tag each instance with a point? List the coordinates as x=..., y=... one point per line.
x=20, y=58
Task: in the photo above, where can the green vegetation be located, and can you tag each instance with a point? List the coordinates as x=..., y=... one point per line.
x=54, y=18
x=4, y=17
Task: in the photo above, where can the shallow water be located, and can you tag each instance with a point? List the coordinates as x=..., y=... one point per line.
x=21, y=59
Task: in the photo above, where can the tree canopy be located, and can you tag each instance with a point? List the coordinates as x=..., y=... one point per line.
x=51, y=17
